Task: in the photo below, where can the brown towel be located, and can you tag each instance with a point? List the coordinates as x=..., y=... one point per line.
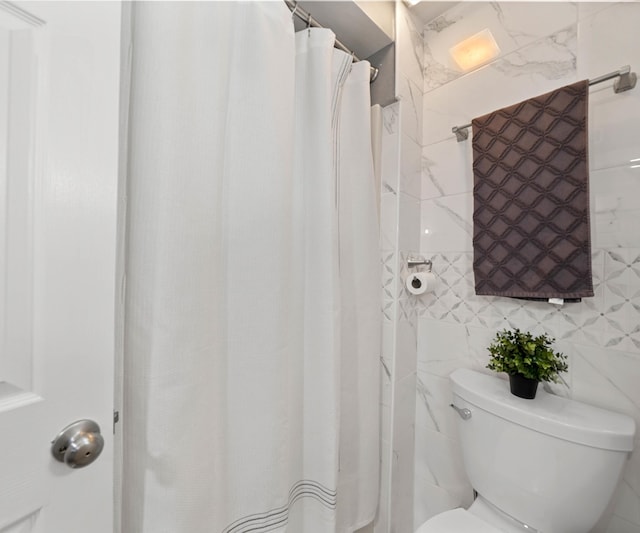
x=531, y=233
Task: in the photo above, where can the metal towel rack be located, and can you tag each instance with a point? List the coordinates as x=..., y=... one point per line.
x=626, y=82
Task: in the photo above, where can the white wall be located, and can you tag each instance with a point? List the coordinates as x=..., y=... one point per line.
x=543, y=46
x=381, y=12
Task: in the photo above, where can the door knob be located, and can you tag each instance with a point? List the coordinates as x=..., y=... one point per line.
x=79, y=444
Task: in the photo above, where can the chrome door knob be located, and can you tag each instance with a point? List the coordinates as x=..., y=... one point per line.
x=79, y=444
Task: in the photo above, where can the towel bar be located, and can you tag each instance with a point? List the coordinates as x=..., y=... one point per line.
x=627, y=81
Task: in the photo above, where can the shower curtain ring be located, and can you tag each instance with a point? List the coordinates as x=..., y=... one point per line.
x=295, y=8
x=309, y=21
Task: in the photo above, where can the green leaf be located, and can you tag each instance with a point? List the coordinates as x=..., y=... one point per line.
x=516, y=352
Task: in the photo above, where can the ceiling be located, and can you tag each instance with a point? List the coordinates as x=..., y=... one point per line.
x=427, y=10
x=350, y=24
x=358, y=32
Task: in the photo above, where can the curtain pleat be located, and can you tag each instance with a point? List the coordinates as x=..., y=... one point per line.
x=360, y=275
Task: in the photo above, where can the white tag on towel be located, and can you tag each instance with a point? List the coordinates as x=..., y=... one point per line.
x=556, y=301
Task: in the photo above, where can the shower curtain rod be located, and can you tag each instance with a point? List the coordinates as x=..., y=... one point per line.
x=311, y=22
x=626, y=82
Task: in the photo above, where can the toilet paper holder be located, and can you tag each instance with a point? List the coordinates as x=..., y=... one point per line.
x=413, y=262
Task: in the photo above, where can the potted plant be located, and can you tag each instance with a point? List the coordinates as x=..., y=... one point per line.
x=527, y=359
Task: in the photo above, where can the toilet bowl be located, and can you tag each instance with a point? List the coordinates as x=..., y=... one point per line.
x=456, y=520
x=481, y=517
x=548, y=465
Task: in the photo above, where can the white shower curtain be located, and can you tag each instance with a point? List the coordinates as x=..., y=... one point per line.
x=251, y=308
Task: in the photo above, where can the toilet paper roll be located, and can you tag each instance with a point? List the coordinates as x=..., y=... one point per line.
x=420, y=282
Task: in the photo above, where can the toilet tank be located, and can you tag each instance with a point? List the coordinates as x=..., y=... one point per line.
x=551, y=463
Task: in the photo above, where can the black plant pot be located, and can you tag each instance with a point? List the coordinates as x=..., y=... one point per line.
x=523, y=387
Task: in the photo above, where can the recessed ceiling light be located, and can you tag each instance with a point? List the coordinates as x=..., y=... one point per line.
x=475, y=51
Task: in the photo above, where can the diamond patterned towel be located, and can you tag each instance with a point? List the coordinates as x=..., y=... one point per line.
x=531, y=236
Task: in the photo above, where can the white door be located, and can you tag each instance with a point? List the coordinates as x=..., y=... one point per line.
x=59, y=84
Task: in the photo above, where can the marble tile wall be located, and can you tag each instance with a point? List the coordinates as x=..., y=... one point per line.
x=390, y=161
x=400, y=223
x=543, y=46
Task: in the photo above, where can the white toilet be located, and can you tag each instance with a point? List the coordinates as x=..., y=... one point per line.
x=548, y=465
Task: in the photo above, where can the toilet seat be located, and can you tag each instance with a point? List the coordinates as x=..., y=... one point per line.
x=456, y=521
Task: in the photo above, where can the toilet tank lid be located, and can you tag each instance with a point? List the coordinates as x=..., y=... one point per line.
x=550, y=414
